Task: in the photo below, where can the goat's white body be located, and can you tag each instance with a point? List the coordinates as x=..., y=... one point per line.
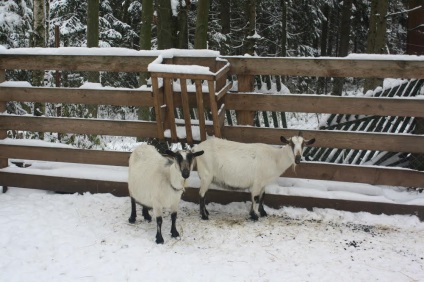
x=234, y=165
x=153, y=180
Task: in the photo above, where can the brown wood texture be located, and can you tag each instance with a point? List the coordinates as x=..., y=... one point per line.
x=76, y=62
x=170, y=113
x=75, y=185
x=173, y=75
x=214, y=109
x=245, y=84
x=118, y=97
x=141, y=129
x=70, y=155
x=409, y=143
x=326, y=104
x=3, y=133
x=157, y=99
x=186, y=111
x=200, y=110
x=334, y=67
x=360, y=174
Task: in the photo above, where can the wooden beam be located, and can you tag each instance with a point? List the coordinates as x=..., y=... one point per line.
x=141, y=129
x=158, y=107
x=186, y=111
x=76, y=62
x=334, y=67
x=3, y=133
x=408, y=143
x=373, y=175
x=325, y=104
x=200, y=110
x=245, y=84
x=117, y=97
x=214, y=109
x=70, y=155
x=170, y=113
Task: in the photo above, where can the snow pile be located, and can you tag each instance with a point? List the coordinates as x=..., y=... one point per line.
x=52, y=237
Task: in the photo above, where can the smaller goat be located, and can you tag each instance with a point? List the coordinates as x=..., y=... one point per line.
x=157, y=182
x=234, y=165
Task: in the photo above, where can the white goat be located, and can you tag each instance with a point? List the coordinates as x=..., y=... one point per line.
x=234, y=165
x=157, y=182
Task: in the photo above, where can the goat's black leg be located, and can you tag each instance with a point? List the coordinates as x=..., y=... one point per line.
x=159, y=238
x=262, y=211
x=4, y=189
x=203, y=211
x=174, y=232
x=133, y=211
x=253, y=215
x=146, y=214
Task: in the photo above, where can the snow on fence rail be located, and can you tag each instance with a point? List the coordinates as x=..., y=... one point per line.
x=244, y=102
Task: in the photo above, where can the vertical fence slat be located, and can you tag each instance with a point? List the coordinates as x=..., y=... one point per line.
x=245, y=84
x=170, y=112
x=200, y=109
x=186, y=110
x=158, y=106
x=214, y=109
x=3, y=133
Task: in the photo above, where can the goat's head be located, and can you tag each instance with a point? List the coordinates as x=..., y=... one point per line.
x=297, y=143
x=184, y=160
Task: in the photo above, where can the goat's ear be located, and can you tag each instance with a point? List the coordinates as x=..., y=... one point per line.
x=199, y=153
x=170, y=153
x=284, y=140
x=309, y=142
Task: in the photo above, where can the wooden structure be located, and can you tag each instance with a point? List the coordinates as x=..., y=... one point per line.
x=244, y=102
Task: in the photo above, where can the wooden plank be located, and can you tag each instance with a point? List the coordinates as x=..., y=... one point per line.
x=141, y=129
x=118, y=97
x=186, y=111
x=245, y=84
x=359, y=174
x=223, y=91
x=222, y=72
x=326, y=104
x=279, y=201
x=158, y=107
x=170, y=113
x=221, y=116
x=175, y=75
x=334, y=67
x=214, y=109
x=76, y=62
x=200, y=110
x=69, y=155
x=75, y=185
x=63, y=184
x=3, y=133
x=408, y=143
x=192, y=99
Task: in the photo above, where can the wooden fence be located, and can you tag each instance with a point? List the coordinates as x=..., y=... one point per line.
x=244, y=102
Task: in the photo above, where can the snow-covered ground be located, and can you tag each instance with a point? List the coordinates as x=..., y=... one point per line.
x=53, y=237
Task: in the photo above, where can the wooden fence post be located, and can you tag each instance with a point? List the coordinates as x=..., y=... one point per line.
x=245, y=84
x=3, y=133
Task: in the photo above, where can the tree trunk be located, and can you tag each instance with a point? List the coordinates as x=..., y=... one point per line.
x=250, y=39
x=283, y=49
x=201, y=34
x=225, y=15
x=376, y=37
x=165, y=37
x=146, y=36
x=93, y=41
x=324, y=38
x=184, y=7
x=39, y=40
x=414, y=46
x=344, y=43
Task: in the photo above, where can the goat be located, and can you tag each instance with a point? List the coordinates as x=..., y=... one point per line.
x=157, y=182
x=234, y=165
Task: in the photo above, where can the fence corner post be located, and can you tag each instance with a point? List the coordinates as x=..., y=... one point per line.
x=3, y=133
x=245, y=84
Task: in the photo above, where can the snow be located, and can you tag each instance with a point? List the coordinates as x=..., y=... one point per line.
x=54, y=237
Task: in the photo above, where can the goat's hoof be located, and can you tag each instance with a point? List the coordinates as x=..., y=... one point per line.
x=205, y=217
x=131, y=220
x=175, y=234
x=253, y=216
x=159, y=240
x=263, y=213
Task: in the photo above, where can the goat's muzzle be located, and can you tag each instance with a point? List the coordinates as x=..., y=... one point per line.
x=185, y=173
x=297, y=159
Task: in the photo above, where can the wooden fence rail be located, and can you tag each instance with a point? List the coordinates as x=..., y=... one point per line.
x=244, y=101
